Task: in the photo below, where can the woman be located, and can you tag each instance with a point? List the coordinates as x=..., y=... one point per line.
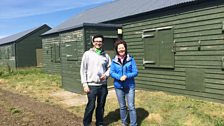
x=123, y=69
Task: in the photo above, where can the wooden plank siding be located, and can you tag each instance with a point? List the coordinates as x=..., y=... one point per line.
x=7, y=56
x=26, y=49
x=70, y=68
x=20, y=50
x=49, y=65
x=199, y=44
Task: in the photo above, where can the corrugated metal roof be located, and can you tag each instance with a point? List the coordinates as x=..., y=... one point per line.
x=115, y=10
x=20, y=35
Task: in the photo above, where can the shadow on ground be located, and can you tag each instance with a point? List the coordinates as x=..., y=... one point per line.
x=114, y=116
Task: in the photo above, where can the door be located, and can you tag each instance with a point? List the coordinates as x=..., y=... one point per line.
x=108, y=47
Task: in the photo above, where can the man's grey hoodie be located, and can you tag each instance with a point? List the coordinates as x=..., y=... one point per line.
x=93, y=66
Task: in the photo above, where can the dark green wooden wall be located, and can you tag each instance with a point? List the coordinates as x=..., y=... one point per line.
x=51, y=47
x=7, y=55
x=72, y=47
x=26, y=49
x=197, y=47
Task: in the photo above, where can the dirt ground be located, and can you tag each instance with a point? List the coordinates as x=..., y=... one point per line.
x=18, y=110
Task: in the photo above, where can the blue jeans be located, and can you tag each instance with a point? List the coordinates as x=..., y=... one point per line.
x=129, y=95
x=99, y=94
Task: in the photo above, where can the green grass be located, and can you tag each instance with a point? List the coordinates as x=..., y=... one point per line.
x=153, y=108
x=15, y=110
x=30, y=81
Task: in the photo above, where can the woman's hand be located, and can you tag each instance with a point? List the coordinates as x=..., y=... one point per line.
x=123, y=78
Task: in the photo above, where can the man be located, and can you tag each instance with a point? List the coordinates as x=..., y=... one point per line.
x=94, y=72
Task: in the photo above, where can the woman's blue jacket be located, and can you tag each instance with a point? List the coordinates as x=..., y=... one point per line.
x=129, y=68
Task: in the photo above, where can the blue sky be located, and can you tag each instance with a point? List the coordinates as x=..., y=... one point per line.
x=20, y=15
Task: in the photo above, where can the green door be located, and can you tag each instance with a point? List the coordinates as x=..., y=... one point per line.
x=108, y=46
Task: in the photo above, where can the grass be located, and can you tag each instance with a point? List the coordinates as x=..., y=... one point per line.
x=153, y=108
x=30, y=81
x=15, y=110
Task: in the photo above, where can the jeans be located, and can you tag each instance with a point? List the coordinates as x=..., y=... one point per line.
x=129, y=95
x=99, y=94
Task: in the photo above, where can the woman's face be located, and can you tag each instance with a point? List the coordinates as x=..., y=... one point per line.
x=121, y=49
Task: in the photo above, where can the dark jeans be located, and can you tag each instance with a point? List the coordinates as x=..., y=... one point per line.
x=99, y=94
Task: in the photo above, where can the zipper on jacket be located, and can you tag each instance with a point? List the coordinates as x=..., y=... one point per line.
x=122, y=71
x=122, y=67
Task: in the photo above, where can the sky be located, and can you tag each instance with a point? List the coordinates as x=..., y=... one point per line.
x=20, y=15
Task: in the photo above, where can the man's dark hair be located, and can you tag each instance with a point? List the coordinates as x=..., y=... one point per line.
x=98, y=36
x=118, y=42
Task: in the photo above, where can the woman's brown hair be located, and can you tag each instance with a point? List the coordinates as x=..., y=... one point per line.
x=118, y=42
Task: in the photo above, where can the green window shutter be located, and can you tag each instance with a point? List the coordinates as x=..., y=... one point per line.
x=75, y=50
x=0, y=53
x=166, y=57
x=158, y=46
x=223, y=26
x=7, y=52
x=151, y=48
x=57, y=52
x=13, y=51
x=3, y=53
x=222, y=63
x=71, y=51
x=52, y=52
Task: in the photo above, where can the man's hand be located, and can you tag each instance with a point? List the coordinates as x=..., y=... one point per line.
x=103, y=77
x=123, y=78
x=86, y=89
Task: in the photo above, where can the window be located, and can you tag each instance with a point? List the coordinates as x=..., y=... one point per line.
x=71, y=51
x=55, y=53
x=158, y=47
x=1, y=53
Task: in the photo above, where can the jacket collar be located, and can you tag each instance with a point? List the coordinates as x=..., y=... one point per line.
x=128, y=58
x=94, y=50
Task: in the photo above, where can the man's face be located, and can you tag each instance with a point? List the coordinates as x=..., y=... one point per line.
x=98, y=42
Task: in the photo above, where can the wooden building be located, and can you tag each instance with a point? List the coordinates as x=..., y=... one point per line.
x=23, y=49
x=64, y=55
x=178, y=44
x=180, y=49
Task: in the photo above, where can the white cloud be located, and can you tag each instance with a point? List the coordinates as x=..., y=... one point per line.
x=21, y=8
x=3, y=36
